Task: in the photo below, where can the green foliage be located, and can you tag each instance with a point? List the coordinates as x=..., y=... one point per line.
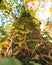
x=10, y=61
x=2, y=7
x=25, y=14
x=17, y=25
x=24, y=39
x=25, y=31
x=3, y=33
x=34, y=63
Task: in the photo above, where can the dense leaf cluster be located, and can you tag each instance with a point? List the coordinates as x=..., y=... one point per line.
x=25, y=41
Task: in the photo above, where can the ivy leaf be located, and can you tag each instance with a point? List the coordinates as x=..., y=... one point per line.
x=25, y=14
x=27, y=31
x=18, y=25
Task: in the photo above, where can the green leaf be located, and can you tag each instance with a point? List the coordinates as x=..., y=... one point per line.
x=32, y=40
x=27, y=31
x=9, y=27
x=10, y=61
x=2, y=7
x=25, y=14
x=34, y=63
x=18, y=25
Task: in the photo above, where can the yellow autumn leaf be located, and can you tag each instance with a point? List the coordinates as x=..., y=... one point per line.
x=9, y=27
x=5, y=42
x=32, y=12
